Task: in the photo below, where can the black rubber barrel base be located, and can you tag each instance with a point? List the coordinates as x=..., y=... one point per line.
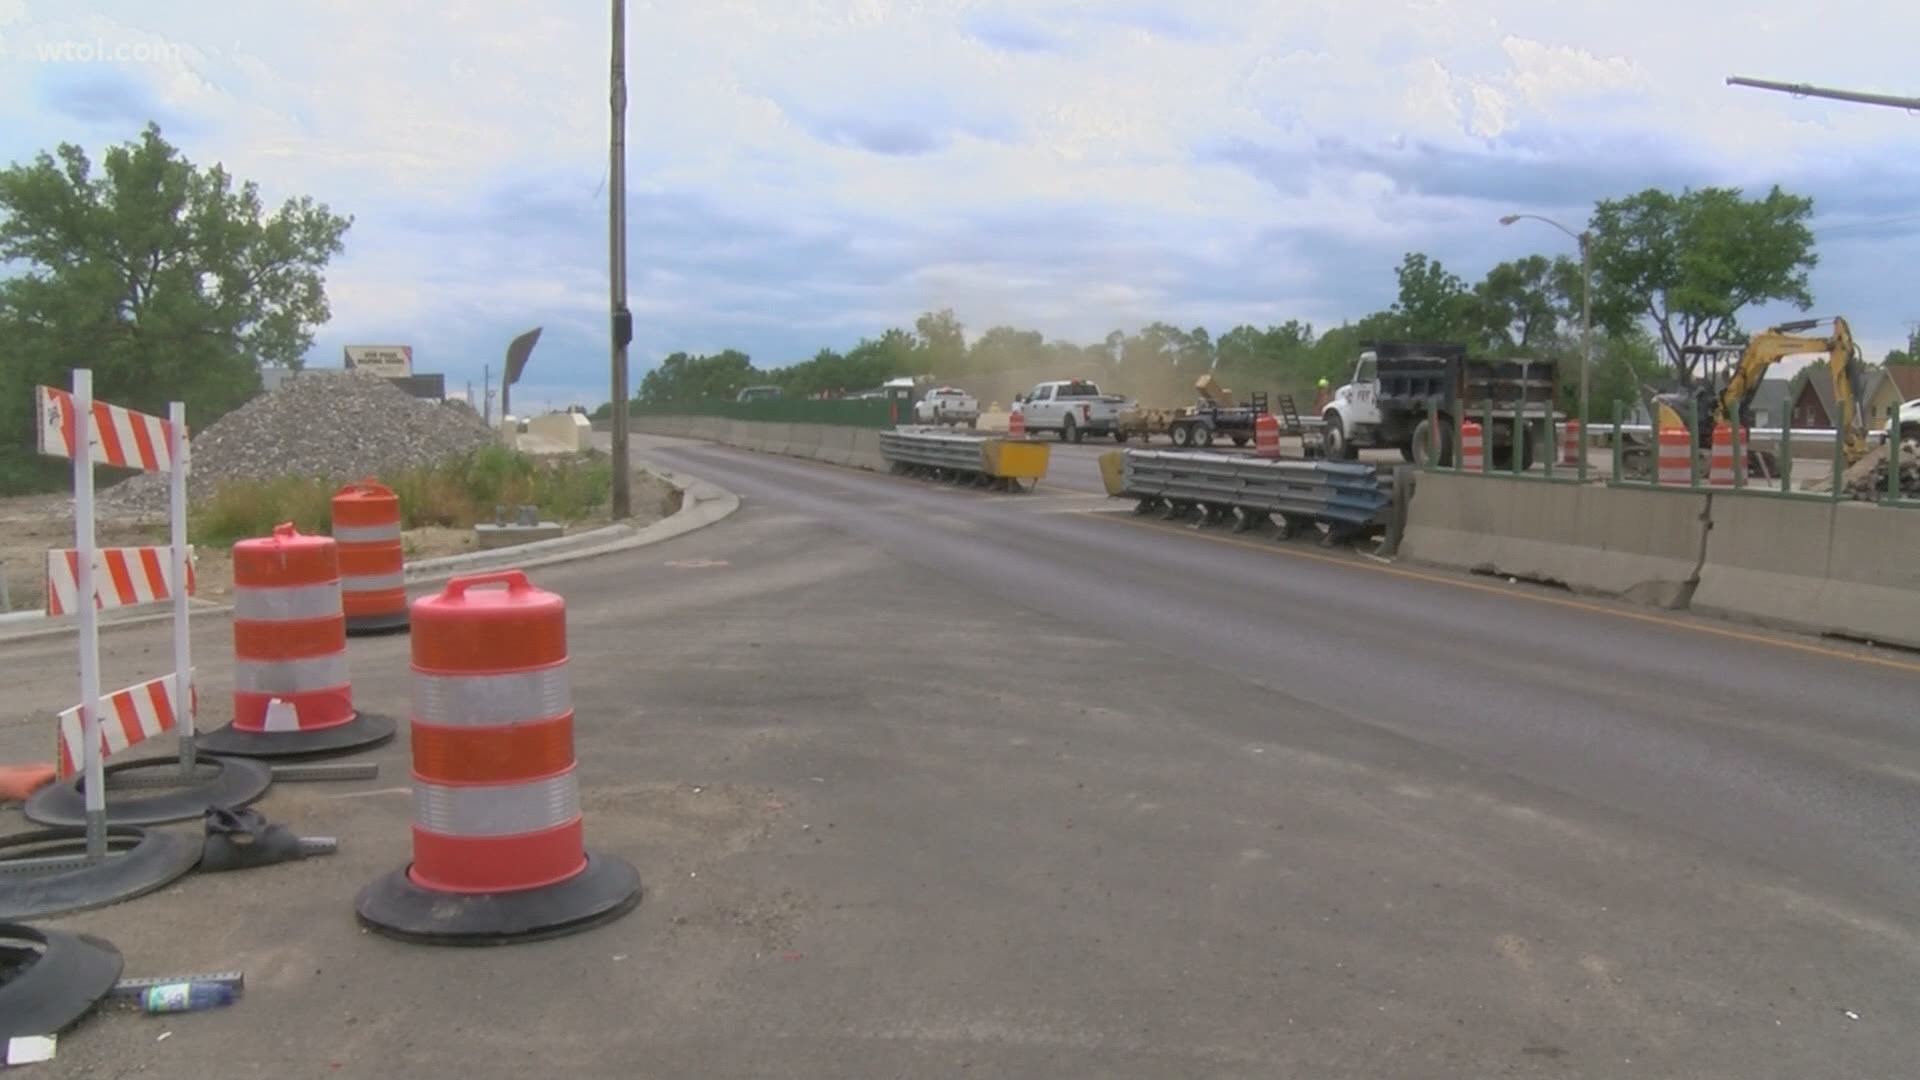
x=396, y=907
x=370, y=625
x=217, y=782
x=141, y=861
x=364, y=730
x=49, y=979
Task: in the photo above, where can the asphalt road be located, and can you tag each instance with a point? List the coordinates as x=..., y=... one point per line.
x=926, y=782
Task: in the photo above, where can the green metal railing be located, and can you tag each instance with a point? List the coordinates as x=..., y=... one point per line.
x=1697, y=478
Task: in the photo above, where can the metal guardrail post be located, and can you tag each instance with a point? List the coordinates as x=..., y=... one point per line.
x=1839, y=468
x=1739, y=454
x=1486, y=440
x=1786, y=457
x=1433, y=434
x=6, y=594
x=1517, y=455
x=1692, y=422
x=1618, y=465
x=1893, y=464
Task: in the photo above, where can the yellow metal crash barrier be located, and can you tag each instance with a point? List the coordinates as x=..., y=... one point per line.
x=1012, y=465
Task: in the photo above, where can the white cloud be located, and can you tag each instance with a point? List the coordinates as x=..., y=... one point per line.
x=820, y=164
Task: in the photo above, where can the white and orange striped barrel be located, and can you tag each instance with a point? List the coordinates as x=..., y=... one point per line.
x=1676, y=456
x=496, y=803
x=1016, y=423
x=373, y=580
x=1266, y=435
x=1721, y=465
x=289, y=635
x=1573, y=443
x=1473, y=448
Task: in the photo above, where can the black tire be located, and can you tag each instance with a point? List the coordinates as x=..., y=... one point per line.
x=1182, y=435
x=1070, y=431
x=1206, y=436
x=1119, y=436
x=1239, y=440
x=1338, y=448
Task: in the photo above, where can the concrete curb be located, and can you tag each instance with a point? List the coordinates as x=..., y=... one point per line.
x=701, y=504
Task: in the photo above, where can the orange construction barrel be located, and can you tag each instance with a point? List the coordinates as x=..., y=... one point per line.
x=373, y=583
x=499, y=851
x=291, y=691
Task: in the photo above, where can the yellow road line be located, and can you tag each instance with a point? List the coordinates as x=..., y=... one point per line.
x=1537, y=598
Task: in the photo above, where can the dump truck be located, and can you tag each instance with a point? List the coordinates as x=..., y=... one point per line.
x=1398, y=388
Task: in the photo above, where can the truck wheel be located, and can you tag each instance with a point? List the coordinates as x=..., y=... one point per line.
x=1119, y=436
x=1338, y=448
x=1182, y=435
x=1206, y=436
x=1070, y=431
x=1239, y=440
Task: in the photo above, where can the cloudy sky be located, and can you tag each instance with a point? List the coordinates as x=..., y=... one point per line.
x=805, y=172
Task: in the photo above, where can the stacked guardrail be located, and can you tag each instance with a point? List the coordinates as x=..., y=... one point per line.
x=1001, y=463
x=1347, y=497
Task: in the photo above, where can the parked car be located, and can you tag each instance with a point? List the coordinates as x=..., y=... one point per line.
x=947, y=405
x=758, y=393
x=1074, y=409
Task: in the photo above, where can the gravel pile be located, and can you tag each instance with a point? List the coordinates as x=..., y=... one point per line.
x=338, y=426
x=1873, y=486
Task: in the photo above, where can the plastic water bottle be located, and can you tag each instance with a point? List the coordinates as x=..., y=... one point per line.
x=186, y=997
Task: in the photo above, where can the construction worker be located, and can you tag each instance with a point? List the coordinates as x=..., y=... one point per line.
x=1321, y=395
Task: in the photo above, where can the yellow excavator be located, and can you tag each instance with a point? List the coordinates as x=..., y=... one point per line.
x=1715, y=406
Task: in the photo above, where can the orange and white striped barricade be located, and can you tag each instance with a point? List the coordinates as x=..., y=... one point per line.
x=1016, y=423
x=291, y=691
x=1473, y=447
x=1573, y=442
x=498, y=848
x=1721, y=466
x=86, y=580
x=1674, y=467
x=373, y=582
x=1266, y=435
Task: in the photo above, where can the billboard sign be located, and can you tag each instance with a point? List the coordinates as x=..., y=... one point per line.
x=392, y=361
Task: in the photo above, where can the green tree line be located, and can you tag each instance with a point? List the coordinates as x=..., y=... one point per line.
x=1669, y=272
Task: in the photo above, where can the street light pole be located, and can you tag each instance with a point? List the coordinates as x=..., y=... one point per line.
x=1585, y=240
x=617, y=260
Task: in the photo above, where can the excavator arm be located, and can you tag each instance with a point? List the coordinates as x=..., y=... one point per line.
x=1772, y=345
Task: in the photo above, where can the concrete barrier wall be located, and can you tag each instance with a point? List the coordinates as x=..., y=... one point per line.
x=1829, y=568
x=1643, y=545
x=1844, y=568
x=850, y=446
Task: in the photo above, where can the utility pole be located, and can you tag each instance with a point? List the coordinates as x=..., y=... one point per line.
x=486, y=390
x=617, y=260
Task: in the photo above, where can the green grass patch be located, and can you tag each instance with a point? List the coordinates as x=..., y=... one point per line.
x=456, y=494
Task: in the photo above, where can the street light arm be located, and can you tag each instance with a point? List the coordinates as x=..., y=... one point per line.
x=1511, y=218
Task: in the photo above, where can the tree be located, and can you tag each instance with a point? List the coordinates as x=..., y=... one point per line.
x=162, y=277
x=1434, y=304
x=1520, y=304
x=1687, y=264
x=1908, y=355
x=942, y=339
x=683, y=378
x=1003, y=348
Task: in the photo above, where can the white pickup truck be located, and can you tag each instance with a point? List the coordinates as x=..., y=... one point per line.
x=947, y=405
x=1075, y=408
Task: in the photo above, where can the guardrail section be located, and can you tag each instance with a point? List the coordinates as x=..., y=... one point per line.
x=1002, y=463
x=1347, y=496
